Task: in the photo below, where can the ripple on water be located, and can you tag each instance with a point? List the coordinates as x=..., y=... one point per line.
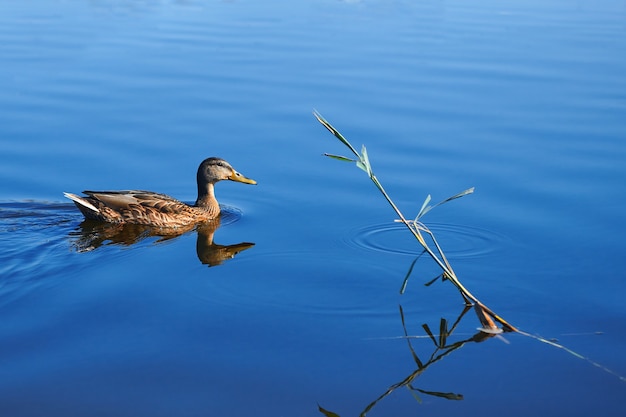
x=32, y=243
x=230, y=214
x=457, y=241
x=36, y=239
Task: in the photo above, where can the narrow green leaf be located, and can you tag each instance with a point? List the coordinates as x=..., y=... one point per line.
x=425, y=208
x=334, y=131
x=362, y=166
x=339, y=157
x=459, y=195
x=365, y=160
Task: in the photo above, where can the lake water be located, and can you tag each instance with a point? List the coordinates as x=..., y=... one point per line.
x=524, y=100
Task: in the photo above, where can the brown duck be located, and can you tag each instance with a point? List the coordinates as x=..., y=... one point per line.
x=160, y=210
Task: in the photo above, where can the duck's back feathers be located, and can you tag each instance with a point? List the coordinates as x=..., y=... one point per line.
x=139, y=207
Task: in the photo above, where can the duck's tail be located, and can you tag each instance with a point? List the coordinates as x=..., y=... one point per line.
x=82, y=203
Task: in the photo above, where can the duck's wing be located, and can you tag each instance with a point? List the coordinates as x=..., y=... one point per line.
x=133, y=199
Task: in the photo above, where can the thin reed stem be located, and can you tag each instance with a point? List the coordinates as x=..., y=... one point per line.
x=415, y=227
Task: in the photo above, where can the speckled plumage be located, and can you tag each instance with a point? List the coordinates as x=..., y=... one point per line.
x=160, y=210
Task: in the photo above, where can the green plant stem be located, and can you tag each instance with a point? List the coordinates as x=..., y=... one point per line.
x=413, y=226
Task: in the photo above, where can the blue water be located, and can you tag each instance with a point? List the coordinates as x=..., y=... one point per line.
x=524, y=100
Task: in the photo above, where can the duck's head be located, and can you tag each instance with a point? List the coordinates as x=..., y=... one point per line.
x=212, y=170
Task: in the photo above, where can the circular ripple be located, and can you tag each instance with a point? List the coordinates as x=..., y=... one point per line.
x=457, y=241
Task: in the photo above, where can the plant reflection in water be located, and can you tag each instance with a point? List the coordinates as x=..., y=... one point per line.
x=443, y=347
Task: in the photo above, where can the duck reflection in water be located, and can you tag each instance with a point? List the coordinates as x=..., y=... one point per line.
x=91, y=234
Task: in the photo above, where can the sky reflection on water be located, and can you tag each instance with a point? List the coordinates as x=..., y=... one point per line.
x=526, y=101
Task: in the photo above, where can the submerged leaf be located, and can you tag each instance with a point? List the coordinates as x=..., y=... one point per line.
x=326, y=412
x=443, y=332
x=427, y=329
x=432, y=281
x=485, y=320
x=446, y=395
x=408, y=274
x=414, y=395
x=417, y=360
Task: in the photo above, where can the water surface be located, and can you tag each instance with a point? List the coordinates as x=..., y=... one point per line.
x=525, y=101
